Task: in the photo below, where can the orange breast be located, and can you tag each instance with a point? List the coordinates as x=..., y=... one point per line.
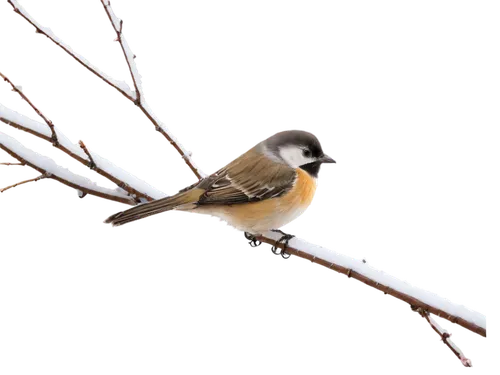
x=304, y=189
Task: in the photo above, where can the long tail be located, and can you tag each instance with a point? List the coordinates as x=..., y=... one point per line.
x=152, y=208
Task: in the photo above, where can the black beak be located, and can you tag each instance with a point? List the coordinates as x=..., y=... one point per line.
x=326, y=159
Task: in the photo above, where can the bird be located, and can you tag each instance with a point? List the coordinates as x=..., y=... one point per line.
x=264, y=189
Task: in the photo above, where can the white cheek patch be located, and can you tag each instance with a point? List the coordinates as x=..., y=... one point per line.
x=294, y=156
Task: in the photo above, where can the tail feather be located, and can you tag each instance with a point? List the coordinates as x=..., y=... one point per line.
x=152, y=208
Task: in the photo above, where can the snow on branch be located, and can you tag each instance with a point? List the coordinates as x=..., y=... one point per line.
x=129, y=56
x=377, y=279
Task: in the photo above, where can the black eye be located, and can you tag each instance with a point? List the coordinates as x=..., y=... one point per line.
x=307, y=153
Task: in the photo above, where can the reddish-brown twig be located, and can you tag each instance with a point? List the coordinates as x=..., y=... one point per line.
x=129, y=57
x=22, y=182
x=12, y=164
x=29, y=102
x=91, y=165
x=7, y=163
x=446, y=338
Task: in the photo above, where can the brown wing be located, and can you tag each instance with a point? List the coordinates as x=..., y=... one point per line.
x=251, y=177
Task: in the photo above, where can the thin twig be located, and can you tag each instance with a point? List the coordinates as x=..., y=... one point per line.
x=15, y=88
x=22, y=182
x=7, y=163
x=129, y=57
x=12, y=164
x=446, y=338
x=91, y=163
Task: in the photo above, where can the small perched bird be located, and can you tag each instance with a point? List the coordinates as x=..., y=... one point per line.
x=265, y=188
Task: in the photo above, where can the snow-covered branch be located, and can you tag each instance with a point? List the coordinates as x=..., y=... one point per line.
x=127, y=53
x=378, y=279
x=50, y=169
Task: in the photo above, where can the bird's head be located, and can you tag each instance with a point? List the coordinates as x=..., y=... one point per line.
x=298, y=149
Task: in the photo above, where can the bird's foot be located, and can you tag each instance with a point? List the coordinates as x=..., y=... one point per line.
x=254, y=242
x=285, y=239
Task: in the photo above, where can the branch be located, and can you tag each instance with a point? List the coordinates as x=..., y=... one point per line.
x=127, y=53
x=445, y=336
x=11, y=164
x=15, y=88
x=137, y=97
x=7, y=163
x=91, y=164
x=377, y=279
x=51, y=170
x=25, y=182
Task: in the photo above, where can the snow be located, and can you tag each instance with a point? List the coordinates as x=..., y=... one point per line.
x=385, y=279
x=123, y=86
x=51, y=167
x=114, y=19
